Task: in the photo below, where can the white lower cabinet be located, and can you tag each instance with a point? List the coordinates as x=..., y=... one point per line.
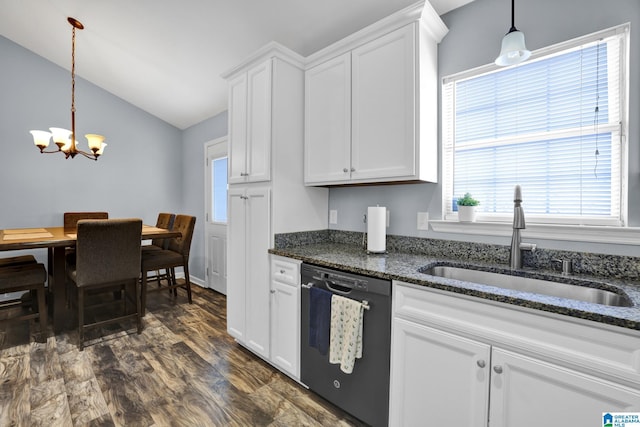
x=285, y=315
x=528, y=392
x=438, y=378
x=464, y=362
x=248, y=267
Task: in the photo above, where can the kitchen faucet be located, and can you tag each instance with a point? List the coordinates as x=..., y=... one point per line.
x=515, y=257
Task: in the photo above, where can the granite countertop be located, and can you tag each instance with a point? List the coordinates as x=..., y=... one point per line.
x=406, y=267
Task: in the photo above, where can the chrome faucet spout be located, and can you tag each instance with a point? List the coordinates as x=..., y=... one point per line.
x=515, y=259
x=515, y=256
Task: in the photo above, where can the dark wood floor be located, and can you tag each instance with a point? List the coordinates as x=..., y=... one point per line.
x=183, y=370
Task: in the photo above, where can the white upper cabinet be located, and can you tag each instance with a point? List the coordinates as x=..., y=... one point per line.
x=328, y=121
x=383, y=106
x=250, y=125
x=371, y=104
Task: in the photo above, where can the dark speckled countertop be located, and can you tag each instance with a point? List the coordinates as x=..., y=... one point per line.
x=406, y=266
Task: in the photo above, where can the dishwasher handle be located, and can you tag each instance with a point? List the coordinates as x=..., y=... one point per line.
x=331, y=286
x=338, y=288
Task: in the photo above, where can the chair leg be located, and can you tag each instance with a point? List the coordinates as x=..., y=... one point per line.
x=81, y=318
x=174, y=282
x=143, y=296
x=42, y=314
x=187, y=282
x=171, y=280
x=138, y=307
x=123, y=297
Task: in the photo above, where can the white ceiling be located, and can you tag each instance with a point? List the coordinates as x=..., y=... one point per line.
x=166, y=56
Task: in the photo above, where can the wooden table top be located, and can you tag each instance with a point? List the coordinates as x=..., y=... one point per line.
x=47, y=237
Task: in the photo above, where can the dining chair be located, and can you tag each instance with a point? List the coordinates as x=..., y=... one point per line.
x=70, y=221
x=165, y=220
x=176, y=255
x=107, y=259
x=17, y=260
x=30, y=276
x=71, y=218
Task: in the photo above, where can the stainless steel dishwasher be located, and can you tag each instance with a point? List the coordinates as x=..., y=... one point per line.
x=365, y=392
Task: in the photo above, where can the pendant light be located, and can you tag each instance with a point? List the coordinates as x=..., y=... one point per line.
x=513, y=49
x=63, y=138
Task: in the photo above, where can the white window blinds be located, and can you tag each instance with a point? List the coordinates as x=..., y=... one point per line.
x=552, y=125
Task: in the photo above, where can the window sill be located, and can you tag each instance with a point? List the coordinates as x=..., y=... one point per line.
x=575, y=233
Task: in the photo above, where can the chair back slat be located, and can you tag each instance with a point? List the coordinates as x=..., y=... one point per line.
x=108, y=251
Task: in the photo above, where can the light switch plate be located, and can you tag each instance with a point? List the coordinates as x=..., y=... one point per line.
x=333, y=216
x=423, y=220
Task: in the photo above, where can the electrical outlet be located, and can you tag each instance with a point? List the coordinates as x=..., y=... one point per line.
x=333, y=216
x=423, y=220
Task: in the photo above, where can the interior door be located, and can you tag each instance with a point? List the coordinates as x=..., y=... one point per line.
x=216, y=214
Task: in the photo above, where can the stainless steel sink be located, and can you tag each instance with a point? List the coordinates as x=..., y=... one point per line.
x=528, y=284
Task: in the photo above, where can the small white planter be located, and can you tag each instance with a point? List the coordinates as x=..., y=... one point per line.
x=467, y=213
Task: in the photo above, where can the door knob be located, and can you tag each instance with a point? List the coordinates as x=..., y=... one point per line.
x=481, y=363
x=497, y=369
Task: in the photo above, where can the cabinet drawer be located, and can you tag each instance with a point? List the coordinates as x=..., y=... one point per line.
x=285, y=271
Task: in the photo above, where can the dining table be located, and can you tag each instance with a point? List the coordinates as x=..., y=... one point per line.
x=56, y=240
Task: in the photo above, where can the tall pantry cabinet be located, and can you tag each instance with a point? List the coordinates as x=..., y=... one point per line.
x=266, y=190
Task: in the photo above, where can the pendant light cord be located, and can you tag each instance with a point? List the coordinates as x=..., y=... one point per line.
x=513, y=16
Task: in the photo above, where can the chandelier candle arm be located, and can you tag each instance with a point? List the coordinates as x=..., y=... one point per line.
x=65, y=139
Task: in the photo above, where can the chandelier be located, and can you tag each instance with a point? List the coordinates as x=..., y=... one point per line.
x=65, y=139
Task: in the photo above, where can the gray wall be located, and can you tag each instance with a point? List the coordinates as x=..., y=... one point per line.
x=193, y=169
x=137, y=176
x=475, y=32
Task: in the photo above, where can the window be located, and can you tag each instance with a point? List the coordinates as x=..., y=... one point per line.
x=219, y=187
x=553, y=125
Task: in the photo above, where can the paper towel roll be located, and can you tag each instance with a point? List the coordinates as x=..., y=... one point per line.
x=376, y=229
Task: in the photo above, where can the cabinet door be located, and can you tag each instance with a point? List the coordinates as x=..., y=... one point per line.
x=327, y=140
x=237, y=129
x=529, y=392
x=259, y=122
x=258, y=241
x=285, y=327
x=384, y=92
x=236, y=266
x=437, y=378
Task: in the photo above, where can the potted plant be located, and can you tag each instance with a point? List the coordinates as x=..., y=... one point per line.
x=467, y=208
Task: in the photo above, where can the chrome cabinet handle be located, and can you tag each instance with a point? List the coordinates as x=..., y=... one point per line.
x=244, y=174
x=345, y=170
x=481, y=363
x=273, y=291
x=282, y=271
x=497, y=369
x=353, y=169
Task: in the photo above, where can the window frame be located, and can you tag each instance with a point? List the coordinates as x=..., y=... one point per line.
x=448, y=126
